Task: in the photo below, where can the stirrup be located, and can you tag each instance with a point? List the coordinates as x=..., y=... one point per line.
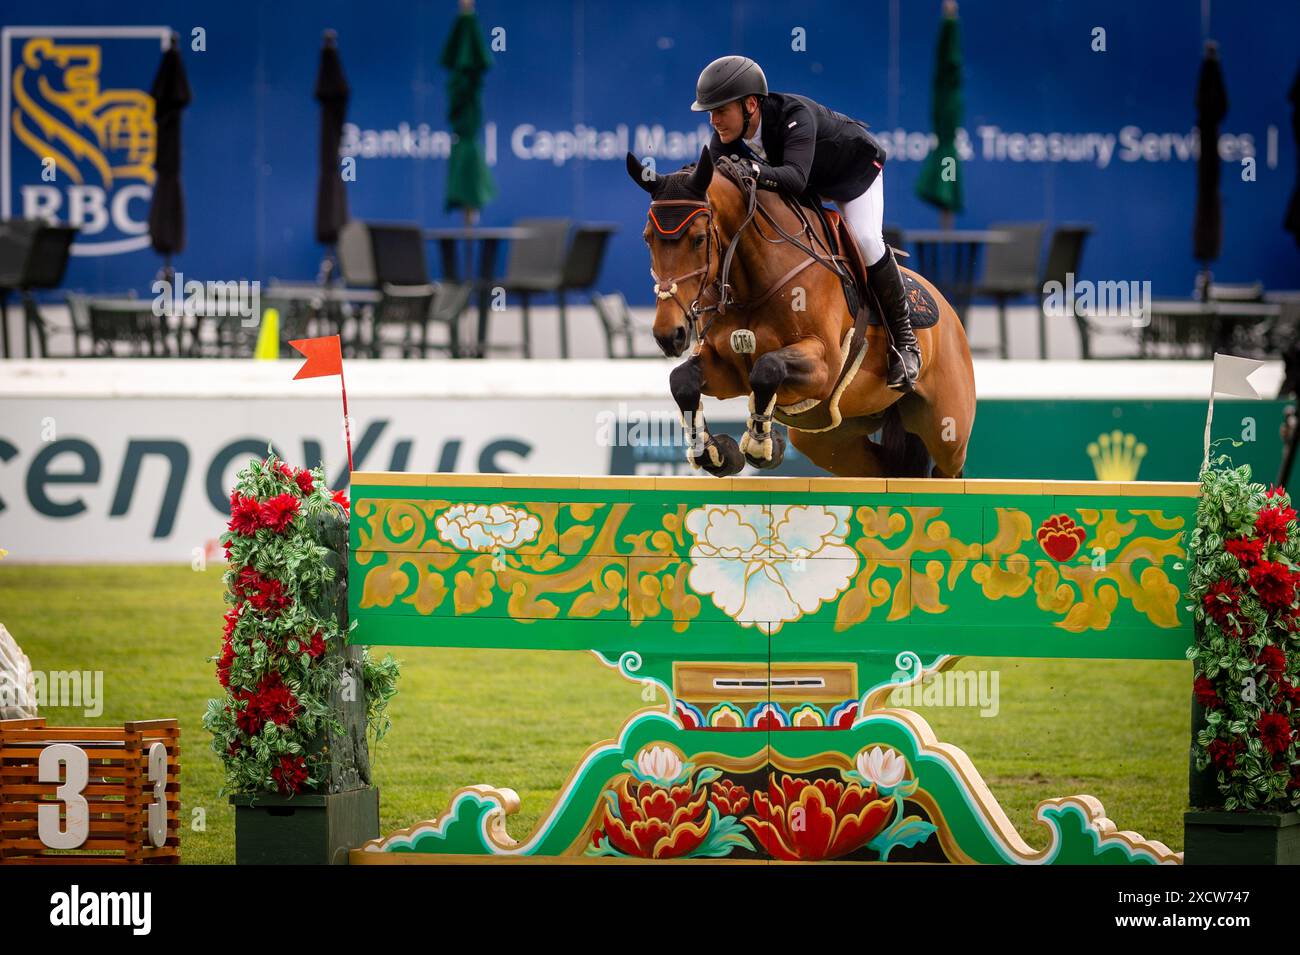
x=904, y=382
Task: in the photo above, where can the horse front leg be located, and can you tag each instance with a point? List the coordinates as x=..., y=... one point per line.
x=717, y=454
x=798, y=366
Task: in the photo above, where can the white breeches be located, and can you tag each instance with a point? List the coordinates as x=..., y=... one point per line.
x=866, y=215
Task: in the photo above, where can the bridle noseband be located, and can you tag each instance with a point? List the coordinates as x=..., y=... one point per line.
x=668, y=289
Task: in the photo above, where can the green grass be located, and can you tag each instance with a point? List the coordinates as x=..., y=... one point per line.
x=522, y=719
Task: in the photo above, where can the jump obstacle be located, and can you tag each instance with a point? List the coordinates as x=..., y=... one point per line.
x=775, y=616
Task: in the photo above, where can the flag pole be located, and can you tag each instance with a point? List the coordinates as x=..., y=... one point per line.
x=347, y=421
x=1205, y=462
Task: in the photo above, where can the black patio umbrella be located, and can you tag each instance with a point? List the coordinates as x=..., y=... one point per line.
x=1292, y=221
x=332, y=93
x=1211, y=107
x=171, y=94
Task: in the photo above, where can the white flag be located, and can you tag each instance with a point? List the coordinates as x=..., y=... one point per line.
x=1231, y=377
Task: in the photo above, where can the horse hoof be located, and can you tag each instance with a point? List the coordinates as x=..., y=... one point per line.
x=778, y=452
x=728, y=454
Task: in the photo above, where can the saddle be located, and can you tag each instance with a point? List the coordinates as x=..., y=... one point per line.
x=924, y=309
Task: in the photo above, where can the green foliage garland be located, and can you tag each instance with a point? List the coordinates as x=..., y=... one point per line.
x=1244, y=588
x=282, y=656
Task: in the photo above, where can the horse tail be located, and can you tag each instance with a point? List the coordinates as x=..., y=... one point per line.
x=905, y=454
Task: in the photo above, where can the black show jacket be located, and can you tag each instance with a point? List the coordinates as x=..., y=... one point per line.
x=812, y=149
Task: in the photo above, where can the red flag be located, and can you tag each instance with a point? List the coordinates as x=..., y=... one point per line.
x=324, y=357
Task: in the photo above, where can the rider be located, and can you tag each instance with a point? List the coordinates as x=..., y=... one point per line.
x=801, y=147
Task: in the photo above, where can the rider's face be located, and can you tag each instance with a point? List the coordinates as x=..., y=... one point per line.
x=727, y=120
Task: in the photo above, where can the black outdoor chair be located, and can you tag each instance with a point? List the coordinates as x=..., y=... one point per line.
x=79, y=317
x=414, y=308
x=408, y=307
x=1064, y=256
x=33, y=257
x=356, y=258
x=581, y=268
x=125, y=327
x=536, y=266
x=1011, y=271
x=616, y=318
x=390, y=258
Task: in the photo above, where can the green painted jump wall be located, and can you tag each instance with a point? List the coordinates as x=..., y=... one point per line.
x=776, y=615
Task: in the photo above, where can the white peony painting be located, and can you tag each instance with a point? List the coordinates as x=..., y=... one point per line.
x=770, y=564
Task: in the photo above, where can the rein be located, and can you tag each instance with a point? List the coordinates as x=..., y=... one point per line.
x=720, y=286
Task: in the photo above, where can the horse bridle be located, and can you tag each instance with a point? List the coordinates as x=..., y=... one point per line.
x=720, y=286
x=668, y=290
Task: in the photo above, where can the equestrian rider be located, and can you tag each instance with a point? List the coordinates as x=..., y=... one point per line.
x=803, y=148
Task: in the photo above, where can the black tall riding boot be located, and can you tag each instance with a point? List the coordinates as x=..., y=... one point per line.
x=904, y=353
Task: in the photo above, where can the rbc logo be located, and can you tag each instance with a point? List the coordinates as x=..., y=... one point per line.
x=79, y=131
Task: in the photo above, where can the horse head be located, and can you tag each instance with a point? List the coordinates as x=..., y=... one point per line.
x=685, y=253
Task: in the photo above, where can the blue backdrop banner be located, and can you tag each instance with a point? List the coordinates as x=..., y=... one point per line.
x=1074, y=112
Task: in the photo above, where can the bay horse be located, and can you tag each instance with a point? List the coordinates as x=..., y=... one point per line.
x=738, y=270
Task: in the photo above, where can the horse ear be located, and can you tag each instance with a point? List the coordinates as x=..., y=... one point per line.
x=703, y=174
x=643, y=176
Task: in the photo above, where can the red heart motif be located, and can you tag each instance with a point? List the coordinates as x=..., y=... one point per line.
x=1060, y=537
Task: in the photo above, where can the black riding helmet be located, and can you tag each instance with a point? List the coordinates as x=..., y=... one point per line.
x=726, y=79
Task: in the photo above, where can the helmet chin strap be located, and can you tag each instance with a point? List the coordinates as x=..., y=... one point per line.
x=744, y=129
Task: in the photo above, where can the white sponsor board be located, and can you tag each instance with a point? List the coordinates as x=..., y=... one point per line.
x=134, y=460
x=149, y=479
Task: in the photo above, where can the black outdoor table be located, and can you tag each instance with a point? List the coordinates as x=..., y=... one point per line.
x=327, y=303
x=955, y=273
x=1215, y=324
x=131, y=320
x=137, y=319
x=489, y=239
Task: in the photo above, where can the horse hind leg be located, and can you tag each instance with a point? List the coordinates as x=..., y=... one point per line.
x=763, y=446
x=844, y=451
x=945, y=432
x=800, y=367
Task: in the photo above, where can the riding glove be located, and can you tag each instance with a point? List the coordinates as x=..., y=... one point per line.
x=763, y=173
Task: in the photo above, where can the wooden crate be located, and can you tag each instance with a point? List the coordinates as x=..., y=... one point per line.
x=118, y=792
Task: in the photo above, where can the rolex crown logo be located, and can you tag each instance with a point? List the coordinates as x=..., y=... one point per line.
x=1116, y=456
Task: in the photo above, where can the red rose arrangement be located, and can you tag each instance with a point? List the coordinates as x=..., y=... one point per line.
x=276, y=664
x=1245, y=587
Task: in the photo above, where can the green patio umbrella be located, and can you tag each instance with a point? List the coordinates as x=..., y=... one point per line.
x=946, y=108
x=466, y=56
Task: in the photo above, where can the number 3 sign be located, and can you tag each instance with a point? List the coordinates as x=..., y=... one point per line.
x=110, y=791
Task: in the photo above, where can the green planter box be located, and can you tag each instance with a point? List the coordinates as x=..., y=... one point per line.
x=1215, y=837
x=304, y=830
